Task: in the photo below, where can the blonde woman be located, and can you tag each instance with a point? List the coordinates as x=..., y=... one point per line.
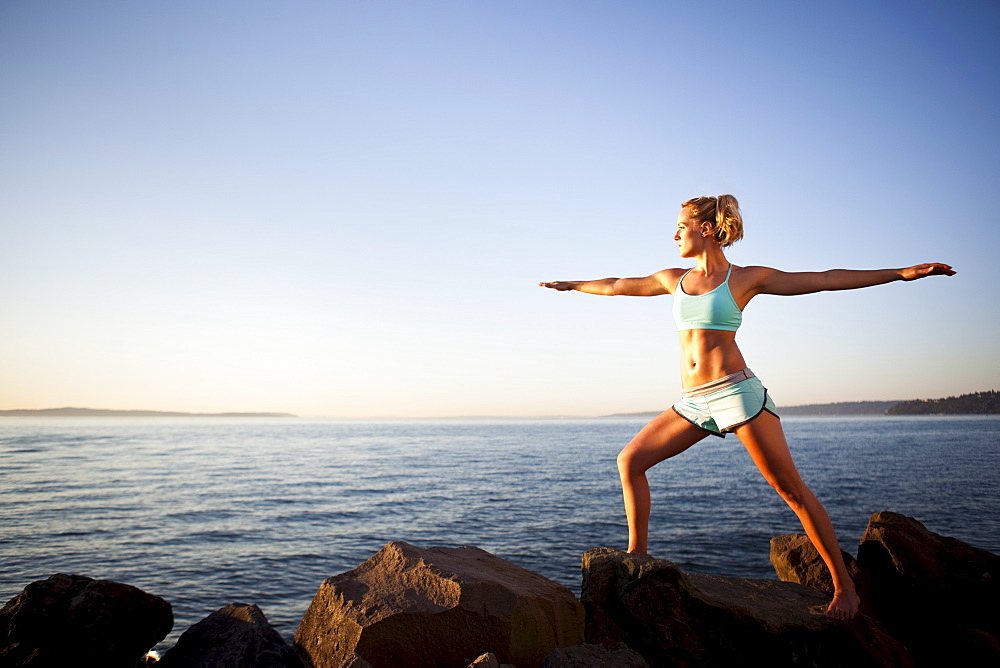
x=720, y=394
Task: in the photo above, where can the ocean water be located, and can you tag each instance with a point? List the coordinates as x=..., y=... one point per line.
x=209, y=511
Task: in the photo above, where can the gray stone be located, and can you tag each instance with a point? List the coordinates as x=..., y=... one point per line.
x=235, y=636
x=68, y=618
x=407, y=606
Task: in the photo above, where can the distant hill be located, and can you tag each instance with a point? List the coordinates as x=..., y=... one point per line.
x=841, y=408
x=100, y=412
x=977, y=403
x=646, y=415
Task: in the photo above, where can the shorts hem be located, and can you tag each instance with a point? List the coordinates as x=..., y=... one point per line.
x=763, y=407
x=713, y=433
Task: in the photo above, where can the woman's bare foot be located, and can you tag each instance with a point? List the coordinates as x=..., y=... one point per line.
x=844, y=605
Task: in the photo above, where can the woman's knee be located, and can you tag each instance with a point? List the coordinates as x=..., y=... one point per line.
x=794, y=492
x=628, y=461
x=625, y=459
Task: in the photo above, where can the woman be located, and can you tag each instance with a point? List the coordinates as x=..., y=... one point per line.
x=721, y=395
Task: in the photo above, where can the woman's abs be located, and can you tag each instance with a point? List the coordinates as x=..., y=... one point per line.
x=708, y=355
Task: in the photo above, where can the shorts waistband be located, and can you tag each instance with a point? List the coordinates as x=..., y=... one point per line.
x=719, y=384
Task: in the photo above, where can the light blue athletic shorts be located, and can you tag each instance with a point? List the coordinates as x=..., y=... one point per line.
x=722, y=405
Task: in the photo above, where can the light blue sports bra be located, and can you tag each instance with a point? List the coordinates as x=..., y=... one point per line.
x=713, y=310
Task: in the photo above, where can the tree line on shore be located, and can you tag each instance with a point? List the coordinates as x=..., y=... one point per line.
x=977, y=403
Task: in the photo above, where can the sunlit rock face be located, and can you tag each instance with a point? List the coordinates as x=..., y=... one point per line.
x=408, y=606
x=703, y=621
x=66, y=619
x=236, y=635
x=795, y=559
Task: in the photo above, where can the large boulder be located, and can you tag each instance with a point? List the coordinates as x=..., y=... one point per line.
x=66, y=619
x=937, y=594
x=235, y=636
x=407, y=606
x=796, y=559
x=704, y=621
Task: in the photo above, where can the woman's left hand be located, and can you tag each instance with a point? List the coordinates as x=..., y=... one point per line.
x=930, y=269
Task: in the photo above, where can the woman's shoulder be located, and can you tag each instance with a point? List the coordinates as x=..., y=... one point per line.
x=753, y=271
x=748, y=279
x=753, y=268
x=670, y=277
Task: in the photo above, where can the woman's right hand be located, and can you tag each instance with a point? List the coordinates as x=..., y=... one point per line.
x=561, y=285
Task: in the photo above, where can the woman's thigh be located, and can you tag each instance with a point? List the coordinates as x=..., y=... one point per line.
x=765, y=441
x=668, y=434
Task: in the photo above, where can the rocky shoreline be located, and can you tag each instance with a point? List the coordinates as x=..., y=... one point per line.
x=927, y=600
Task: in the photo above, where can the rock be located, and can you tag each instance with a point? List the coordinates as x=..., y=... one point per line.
x=937, y=594
x=69, y=619
x=235, y=636
x=594, y=656
x=673, y=619
x=489, y=660
x=407, y=606
x=795, y=559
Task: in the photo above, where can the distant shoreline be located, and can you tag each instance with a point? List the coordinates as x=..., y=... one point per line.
x=101, y=412
x=976, y=403
x=875, y=408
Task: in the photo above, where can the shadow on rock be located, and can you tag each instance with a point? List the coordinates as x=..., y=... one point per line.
x=66, y=619
x=703, y=621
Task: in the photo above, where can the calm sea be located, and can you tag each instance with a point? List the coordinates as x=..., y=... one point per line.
x=209, y=511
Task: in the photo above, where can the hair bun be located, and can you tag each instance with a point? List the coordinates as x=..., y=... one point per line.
x=723, y=212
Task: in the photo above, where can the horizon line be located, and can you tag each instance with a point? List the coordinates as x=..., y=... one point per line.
x=283, y=414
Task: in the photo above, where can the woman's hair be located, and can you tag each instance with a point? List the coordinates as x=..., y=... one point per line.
x=723, y=212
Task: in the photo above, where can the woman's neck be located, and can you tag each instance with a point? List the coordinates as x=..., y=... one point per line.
x=711, y=261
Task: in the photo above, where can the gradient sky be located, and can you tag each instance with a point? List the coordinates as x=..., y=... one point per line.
x=344, y=209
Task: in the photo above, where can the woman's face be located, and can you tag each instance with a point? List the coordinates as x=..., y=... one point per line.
x=690, y=234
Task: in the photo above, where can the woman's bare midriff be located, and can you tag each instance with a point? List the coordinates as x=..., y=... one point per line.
x=707, y=355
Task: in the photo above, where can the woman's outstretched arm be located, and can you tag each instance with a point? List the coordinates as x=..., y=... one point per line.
x=659, y=283
x=767, y=281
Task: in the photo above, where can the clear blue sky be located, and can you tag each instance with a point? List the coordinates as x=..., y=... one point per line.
x=344, y=208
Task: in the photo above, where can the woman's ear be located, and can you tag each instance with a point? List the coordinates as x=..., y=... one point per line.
x=707, y=229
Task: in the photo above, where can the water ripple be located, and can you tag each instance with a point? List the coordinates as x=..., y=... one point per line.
x=209, y=512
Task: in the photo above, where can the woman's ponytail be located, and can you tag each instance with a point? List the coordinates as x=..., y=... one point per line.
x=728, y=221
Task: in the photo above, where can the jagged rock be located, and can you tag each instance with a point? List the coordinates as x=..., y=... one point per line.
x=407, y=606
x=489, y=660
x=704, y=621
x=937, y=594
x=66, y=618
x=235, y=636
x=594, y=656
x=795, y=559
